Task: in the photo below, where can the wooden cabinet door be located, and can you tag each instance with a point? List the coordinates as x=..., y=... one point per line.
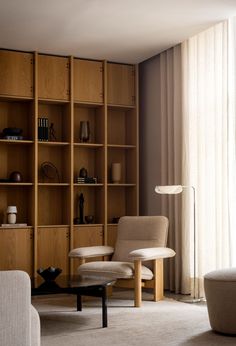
x=87, y=236
x=16, y=249
x=88, y=81
x=121, y=84
x=16, y=74
x=53, y=77
x=53, y=248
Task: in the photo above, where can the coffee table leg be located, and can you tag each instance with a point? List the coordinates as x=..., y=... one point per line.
x=104, y=307
x=79, y=302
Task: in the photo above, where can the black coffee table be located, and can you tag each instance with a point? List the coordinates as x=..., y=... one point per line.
x=74, y=285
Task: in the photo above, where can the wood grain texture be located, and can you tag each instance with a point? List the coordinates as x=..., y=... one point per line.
x=138, y=283
x=53, y=248
x=53, y=77
x=16, y=73
x=88, y=80
x=16, y=249
x=121, y=84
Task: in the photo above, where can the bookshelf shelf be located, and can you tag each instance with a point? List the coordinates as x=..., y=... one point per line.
x=121, y=146
x=53, y=226
x=16, y=184
x=89, y=185
x=53, y=101
x=89, y=145
x=49, y=143
x=121, y=185
x=89, y=225
x=16, y=142
x=54, y=184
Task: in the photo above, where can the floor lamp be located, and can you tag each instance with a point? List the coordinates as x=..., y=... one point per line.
x=173, y=190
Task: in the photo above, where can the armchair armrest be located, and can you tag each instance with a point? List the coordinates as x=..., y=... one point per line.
x=151, y=253
x=15, y=308
x=91, y=251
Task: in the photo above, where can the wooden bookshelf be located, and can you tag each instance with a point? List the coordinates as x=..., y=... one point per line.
x=66, y=91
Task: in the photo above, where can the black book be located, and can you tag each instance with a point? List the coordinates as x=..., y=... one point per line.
x=39, y=129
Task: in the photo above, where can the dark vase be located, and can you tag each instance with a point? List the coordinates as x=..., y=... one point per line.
x=84, y=131
x=83, y=173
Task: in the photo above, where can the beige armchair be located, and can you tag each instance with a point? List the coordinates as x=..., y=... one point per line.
x=139, y=239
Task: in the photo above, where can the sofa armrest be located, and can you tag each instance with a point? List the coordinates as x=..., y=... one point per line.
x=91, y=251
x=15, y=308
x=151, y=253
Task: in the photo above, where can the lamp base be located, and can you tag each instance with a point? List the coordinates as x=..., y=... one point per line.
x=191, y=300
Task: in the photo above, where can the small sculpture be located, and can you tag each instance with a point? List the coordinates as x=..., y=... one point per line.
x=52, y=136
x=81, y=208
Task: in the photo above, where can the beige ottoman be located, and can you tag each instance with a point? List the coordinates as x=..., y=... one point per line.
x=220, y=289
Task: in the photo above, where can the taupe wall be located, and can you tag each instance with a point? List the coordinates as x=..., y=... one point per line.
x=150, y=139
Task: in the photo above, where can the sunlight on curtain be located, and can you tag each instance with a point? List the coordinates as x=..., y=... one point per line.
x=232, y=135
x=209, y=145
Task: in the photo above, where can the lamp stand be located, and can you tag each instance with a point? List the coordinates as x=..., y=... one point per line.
x=175, y=189
x=193, y=299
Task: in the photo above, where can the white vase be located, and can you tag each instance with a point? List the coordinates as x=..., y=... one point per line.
x=11, y=218
x=116, y=172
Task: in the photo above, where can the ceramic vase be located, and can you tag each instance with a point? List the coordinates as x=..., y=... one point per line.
x=116, y=172
x=84, y=133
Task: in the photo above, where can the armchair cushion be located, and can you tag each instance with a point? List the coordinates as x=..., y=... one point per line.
x=151, y=253
x=91, y=251
x=139, y=232
x=113, y=270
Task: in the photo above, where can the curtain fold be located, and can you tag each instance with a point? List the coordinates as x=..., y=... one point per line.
x=206, y=142
x=170, y=142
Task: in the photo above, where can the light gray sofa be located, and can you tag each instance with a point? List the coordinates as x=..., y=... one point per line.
x=19, y=321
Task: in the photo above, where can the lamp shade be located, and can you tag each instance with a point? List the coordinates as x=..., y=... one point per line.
x=11, y=209
x=169, y=189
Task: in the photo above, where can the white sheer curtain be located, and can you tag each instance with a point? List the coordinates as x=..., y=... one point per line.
x=209, y=145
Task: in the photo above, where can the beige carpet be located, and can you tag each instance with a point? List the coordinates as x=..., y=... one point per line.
x=164, y=323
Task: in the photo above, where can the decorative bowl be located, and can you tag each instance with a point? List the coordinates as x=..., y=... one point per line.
x=12, y=131
x=89, y=218
x=16, y=177
x=50, y=273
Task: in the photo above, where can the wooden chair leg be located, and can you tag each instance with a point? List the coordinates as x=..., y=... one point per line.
x=158, y=279
x=138, y=283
